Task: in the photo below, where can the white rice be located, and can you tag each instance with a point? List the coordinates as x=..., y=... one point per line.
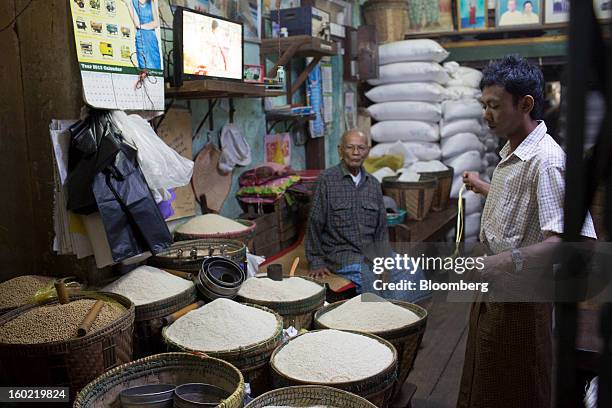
x=287, y=290
x=210, y=224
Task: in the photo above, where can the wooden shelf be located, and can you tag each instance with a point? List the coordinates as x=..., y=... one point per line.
x=300, y=45
x=213, y=89
x=498, y=32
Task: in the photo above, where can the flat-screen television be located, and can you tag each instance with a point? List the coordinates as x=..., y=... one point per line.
x=207, y=47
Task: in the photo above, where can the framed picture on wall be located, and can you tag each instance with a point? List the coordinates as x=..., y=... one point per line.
x=430, y=16
x=471, y=14
x=518, y=13
x=556, y=11
x=603, y=9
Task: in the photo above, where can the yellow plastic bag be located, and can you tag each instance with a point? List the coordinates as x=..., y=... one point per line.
x=393, y=161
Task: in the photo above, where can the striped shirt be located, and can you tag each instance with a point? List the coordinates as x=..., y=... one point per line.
x=526, y=195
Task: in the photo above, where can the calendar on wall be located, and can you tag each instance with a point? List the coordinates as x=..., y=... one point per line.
x=118, y=47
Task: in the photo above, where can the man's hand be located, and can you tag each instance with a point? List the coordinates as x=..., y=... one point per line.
x=472, y=182
x=319, y=273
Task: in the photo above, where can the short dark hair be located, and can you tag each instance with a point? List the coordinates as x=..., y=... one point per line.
x=528, y=1
x=518, y=77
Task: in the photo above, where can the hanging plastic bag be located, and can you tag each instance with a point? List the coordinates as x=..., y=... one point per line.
x=161, y=165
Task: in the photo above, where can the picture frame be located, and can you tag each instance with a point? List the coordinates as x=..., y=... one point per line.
x=518, y=13
x=603, y=9
x=472, y=14
x=254, y=74
x=556, y=11
x=436, y=17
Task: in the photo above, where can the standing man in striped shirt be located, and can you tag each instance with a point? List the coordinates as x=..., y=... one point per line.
x=508, y=360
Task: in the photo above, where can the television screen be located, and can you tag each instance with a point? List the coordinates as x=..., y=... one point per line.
x=210, y=46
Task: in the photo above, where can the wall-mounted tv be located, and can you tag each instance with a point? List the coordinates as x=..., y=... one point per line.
x=207, y=47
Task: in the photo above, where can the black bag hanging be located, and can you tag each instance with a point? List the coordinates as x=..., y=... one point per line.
x=93, y=146
x=131, y=218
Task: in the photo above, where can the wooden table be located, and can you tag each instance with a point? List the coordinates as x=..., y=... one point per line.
x=432, y=229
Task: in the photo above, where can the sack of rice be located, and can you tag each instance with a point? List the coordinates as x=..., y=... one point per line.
x=473, y=202
x=368, y=313
x=453, y=127
x=405, y=131
x=421, y=111
x=402, y=72
x=332, y=356
x=461, y=109
x=468, y=161
x=223, y=325
x=21, y=290
x=462, y=92
x=287, y=290
x=57, y=322
x=210, y=224
x=460, y=143
x=411, y=50
x=146, y=284
x=472, y=225
x=410, y=91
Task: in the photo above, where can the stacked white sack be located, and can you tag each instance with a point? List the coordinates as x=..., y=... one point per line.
x=407, y=100
x=462, y=139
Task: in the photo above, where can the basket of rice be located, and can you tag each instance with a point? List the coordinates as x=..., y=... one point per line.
x=415, y=197
x=360, y=363
x=444, y=174
x=400, y=323
x=243, y=335
x=39, y=344
x=295, y=299
x=212, y=226
x=155, y=294
x=167, y=368
x=309, y=396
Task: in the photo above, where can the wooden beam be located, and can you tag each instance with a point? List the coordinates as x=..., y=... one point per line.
x=286, y=57
x=303, y=76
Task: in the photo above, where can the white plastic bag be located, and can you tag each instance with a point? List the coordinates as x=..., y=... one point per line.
x=163, y=167
x=462, y=92
x=453, y=127
x=461, y=109
x=468, y=161
x=429, y=166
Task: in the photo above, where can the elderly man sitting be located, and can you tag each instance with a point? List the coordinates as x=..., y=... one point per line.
x=348, y=220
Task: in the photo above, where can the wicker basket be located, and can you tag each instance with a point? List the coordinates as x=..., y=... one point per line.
x=71, y=363
x=377, y=389
x=414, y=197
x=390, y=18
x=148, y=323
x=406, y=339
x=296, y=313
x=253, y=361
x=167, y=368
x=187, y=256
x=310, y=395
x=244, y=235
x=441, y=198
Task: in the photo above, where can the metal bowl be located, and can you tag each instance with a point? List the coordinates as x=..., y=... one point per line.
x=198, y=395
x=151, y=395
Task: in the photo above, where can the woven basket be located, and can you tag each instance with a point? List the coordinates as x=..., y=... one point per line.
x=414, y=197
x=377, y=389
x=405, y=339
x=167, y=368
x=390, y=18
x=244, y=235
x=71, y=363
x=253, y=361
x=296, y=313
x=310, y=395
x=187, y=256
x=441, y=198
x=148, y=323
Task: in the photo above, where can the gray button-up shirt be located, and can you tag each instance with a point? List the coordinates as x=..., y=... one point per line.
x=345, y=219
